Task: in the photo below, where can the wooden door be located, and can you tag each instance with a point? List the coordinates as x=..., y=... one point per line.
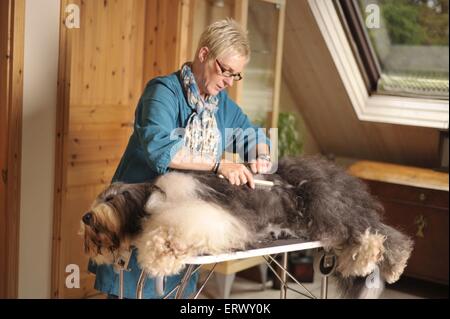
x=103, y=68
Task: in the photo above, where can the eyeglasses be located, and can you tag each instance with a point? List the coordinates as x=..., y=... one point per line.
x=227, y=73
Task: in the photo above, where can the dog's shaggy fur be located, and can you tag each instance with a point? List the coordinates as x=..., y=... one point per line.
x=181, y=215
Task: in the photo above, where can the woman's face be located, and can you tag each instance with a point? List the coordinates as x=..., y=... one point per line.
x=214, y=72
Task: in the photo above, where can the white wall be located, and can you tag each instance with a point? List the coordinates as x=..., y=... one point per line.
x=38, y=139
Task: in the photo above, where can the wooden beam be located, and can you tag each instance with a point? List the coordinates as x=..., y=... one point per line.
x=240, y=15
x=183, y=32
x=278, y=65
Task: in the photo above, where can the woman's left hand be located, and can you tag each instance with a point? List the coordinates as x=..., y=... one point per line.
x=260, y=166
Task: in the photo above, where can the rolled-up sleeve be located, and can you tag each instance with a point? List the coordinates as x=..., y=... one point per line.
x=156, y=126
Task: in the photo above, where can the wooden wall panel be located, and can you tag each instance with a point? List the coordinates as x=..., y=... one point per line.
x=161, y=38
x=314, y=82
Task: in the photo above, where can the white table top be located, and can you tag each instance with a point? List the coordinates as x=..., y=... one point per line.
x=275, y=247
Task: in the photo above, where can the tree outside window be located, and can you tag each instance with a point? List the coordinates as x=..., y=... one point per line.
x=411, y=45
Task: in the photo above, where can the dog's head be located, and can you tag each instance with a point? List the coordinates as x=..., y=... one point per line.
x=114, y=218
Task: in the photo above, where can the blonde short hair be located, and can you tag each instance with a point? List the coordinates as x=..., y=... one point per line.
x=224, y=36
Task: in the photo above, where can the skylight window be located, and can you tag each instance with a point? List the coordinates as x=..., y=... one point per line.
x=402, y=45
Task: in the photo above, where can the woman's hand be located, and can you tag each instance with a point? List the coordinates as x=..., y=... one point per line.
x=237, y=174
x=260, y=166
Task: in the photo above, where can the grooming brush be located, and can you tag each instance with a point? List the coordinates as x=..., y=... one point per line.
x=259, y=183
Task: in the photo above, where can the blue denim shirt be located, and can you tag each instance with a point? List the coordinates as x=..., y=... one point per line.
x=161, y=109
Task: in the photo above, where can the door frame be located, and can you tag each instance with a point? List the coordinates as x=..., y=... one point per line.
x=62, y=127
x=12, y=23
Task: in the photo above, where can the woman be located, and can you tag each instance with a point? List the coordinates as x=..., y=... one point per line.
x=183, y=121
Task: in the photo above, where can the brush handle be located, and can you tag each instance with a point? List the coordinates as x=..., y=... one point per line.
x=258, y=182
x=263, y=183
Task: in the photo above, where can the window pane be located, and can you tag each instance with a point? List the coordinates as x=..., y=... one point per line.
x=257, y=95
x=411, y=43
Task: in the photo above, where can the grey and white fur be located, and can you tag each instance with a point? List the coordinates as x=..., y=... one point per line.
x=185, y=214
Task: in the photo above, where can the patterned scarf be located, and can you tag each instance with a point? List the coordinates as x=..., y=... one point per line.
x=201, y=134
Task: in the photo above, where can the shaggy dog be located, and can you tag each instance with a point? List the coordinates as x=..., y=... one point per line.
x=185, y=214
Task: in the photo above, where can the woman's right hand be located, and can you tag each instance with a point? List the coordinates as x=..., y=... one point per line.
x=237, y=174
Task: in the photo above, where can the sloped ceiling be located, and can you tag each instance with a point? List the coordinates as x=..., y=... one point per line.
x=320, y=96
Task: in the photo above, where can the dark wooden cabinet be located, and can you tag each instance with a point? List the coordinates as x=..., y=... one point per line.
x=423, y=215
x=416, y=202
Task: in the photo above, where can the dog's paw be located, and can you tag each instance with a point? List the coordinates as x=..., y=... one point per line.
x=275, y=232
x=361, y=259
x=392, y=271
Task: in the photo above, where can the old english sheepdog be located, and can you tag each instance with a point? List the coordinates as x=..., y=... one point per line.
x=185, y=214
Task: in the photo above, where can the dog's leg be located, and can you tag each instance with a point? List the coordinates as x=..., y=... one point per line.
x=162, y=252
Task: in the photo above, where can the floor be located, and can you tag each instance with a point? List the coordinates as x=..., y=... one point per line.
x=406, y=288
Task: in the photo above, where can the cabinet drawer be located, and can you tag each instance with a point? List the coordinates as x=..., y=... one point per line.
x=408, y=194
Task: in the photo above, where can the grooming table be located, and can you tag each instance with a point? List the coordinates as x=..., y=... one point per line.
x=325, y=265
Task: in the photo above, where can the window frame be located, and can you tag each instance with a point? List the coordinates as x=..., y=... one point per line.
x=368, y=105
x=361, y=45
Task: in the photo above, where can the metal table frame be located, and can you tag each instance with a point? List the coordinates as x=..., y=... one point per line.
x=325, y=266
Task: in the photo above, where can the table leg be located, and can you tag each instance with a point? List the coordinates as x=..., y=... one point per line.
x=140, y=284
x=324, y=288
x=184, y=282
x=121, y=284
x=283, y=288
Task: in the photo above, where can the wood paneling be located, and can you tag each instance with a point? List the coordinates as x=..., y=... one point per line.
x=161, y=52
x=12, y=21
x=320, y=95
x=103, y=68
